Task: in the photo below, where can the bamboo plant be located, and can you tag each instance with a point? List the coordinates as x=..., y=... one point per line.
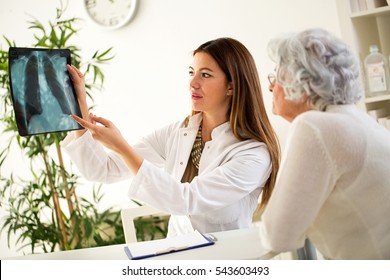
x=44, y=211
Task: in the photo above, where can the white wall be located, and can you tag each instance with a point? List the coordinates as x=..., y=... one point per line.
x=146, y=83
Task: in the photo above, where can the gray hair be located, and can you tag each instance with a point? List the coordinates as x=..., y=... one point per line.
x=316, y=64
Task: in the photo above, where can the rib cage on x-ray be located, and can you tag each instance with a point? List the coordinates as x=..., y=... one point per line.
x=32, y=100
x=43, y=96
x=57, y=89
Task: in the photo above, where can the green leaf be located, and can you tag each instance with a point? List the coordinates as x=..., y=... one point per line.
x=30, y=202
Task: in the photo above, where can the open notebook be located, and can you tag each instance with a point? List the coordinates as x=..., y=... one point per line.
x=168, y=245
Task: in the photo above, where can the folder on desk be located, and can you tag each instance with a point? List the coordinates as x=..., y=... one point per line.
x=147, y=249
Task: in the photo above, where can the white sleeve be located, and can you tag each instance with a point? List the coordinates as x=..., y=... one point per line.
x=305, y=179
x=93, y=161
x=234, y=179
x=101, y=165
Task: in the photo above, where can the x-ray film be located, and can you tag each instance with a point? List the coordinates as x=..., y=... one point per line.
x=42, y=91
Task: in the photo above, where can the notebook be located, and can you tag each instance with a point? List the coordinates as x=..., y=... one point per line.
x=147, y=249
x=42, y=92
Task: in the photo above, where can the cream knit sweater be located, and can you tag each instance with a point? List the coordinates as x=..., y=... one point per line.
x=333, y=187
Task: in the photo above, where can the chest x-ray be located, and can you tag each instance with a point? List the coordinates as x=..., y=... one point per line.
x=42, y=92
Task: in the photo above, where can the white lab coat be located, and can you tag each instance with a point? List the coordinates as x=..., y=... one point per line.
x=223, y=196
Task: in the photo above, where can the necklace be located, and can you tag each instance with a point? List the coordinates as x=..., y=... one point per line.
x=197, y=148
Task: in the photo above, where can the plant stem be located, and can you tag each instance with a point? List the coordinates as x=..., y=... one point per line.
x=69, y=192
x=56, y=201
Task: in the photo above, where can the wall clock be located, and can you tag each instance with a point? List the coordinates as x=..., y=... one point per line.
x=111, y=14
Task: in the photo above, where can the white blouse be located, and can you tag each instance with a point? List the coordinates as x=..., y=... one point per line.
x=333, y=186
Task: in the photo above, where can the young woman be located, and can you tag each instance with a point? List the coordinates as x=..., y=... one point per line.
x=333, y=184
x=207, y=170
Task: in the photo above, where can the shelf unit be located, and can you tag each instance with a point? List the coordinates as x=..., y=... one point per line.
x=360, y=30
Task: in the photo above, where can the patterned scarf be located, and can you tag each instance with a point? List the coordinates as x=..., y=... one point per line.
x=197, y=148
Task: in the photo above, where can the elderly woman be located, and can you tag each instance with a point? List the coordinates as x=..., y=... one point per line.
x=333, y=185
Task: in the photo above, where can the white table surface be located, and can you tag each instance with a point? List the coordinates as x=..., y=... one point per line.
x=242, y=244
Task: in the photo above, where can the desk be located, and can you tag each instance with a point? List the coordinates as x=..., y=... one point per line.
x=241, y=244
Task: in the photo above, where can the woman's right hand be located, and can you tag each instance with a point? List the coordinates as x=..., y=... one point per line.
x=79, y=86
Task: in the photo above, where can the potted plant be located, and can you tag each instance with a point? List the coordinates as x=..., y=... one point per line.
x=44, y=210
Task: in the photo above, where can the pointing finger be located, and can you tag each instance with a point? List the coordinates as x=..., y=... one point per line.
x=83, y=122
x=102, y=121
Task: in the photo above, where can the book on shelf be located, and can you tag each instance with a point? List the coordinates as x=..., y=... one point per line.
x=376, y=114
x=358, y=5
x=373, y=4
x=362, y=5
x=383, y=121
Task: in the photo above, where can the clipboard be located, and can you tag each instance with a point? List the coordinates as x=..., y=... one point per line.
x=148, y=249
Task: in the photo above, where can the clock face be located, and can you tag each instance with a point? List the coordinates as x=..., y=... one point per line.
x=111, y=13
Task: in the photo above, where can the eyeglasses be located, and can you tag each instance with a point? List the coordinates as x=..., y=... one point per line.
x=271, y=79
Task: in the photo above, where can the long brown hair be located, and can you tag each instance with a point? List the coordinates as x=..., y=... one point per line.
x=247, y=114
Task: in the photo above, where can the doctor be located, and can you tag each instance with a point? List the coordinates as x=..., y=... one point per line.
x=207, y=170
